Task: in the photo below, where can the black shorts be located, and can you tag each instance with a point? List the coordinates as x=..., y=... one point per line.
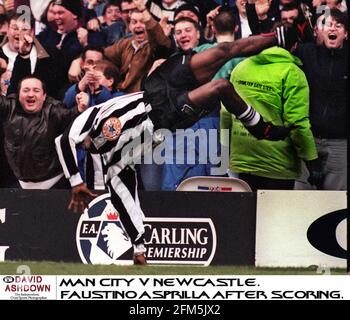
x=166, y=89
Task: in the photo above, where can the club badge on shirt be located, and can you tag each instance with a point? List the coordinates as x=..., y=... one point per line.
x=112, y=129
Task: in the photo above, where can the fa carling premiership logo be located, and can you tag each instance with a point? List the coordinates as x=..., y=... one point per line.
x=101, y=238
x=180, y=240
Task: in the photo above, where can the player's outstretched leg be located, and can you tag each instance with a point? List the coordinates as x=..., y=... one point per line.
x=223, y=90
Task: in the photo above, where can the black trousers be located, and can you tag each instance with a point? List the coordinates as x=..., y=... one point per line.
x=257, y=182
x=124, y=197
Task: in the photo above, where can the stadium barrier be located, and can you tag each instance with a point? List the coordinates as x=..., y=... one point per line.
x=301, y=228
x=181, y=227
x=267, y=228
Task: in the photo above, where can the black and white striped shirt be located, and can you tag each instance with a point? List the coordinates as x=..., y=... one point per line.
x=111, y=126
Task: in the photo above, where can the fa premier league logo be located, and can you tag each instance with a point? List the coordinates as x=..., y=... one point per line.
x=101, y=238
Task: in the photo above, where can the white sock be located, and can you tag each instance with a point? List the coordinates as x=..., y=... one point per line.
x=250, y=117
x=139, y=249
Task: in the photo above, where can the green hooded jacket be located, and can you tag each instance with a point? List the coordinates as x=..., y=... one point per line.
x=276, y=87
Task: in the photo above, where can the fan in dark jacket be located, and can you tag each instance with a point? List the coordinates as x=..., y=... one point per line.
x=262, y=16
x=31, y=122
x=24, y=56
x=326, y=67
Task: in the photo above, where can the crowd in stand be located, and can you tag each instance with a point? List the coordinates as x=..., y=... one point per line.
x=60, y=57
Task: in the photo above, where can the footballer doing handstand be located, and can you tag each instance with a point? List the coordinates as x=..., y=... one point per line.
x=176, y=95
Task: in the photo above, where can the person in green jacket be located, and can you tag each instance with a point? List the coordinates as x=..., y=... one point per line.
x=274, y=84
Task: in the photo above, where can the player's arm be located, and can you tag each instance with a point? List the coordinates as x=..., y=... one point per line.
x=206, y=63
x=66, y=146
x=81, y=196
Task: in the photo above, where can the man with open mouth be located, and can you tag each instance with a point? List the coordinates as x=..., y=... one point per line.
x=135, y=55
x=31, y=121
x=325, y=66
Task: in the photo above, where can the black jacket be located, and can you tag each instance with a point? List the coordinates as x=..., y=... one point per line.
x=49, y=68
x=29, y=139
x=256, y=26
x=326, y=71
x=304, y=29
x=7, y=178
x=71, y=47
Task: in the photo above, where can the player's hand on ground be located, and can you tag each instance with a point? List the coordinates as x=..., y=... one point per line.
x=81, y=196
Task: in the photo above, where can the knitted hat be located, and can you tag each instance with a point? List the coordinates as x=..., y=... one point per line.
x=74, y=6
x=189, y=7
